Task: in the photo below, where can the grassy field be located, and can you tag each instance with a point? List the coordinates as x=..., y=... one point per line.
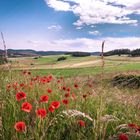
x=87, y=105
x=74, y=66
x=50, y=62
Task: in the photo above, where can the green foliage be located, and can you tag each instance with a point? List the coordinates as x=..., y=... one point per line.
x=61, y=58
x=79, y=54
x=118, y=52
x=131, y=81
x=2, y=60
x=135, y=53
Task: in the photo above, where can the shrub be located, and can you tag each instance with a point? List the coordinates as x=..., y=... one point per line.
x=131, y=81
x=61, y=58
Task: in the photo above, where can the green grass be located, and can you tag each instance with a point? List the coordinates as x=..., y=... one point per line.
x=88, y=71
x=99, y=102
x=102, y=99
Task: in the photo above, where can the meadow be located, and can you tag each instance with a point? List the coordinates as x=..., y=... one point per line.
x=74, y=99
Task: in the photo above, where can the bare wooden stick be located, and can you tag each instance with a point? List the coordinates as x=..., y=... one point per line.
x=103, y=62
x=5, y=49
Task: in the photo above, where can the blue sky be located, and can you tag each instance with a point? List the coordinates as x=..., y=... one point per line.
x=70, y=25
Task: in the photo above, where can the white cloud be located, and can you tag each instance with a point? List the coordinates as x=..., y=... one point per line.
x=79, y=44
x=79, y=27
x=58, y=5
x=99, y=11
x=94, y=33
x=55, y=27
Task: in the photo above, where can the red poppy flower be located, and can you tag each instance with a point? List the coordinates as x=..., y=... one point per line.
x=138, y=129
x=50, y=77
x=49, y=90
x=42, y=80
x=65, y=101
x=29, y=73
x=15, y=85
x=41, y=113
x=90, y=85
x=123, y=137
x=22, y=85
x=20, y=96
x=55, y=104
x=76, y=85
x=132, y=125
x=68, y=89
x=8, y=87
x=58, y=81
x=81, y=122
x=67, y=95
x=84, y=96
x=64, y=88
x=51, y=109
x=24, y=72
x=27, y=107
x=44, y=98
x=20, y=126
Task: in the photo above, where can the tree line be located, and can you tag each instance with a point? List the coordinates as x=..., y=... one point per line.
x=119, y=52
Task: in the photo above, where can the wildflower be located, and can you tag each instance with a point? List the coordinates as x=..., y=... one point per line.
x=27, y=107
x=20, y=96
x=41, y=113
x=44, y=98
x=84, y=96
x=29, y=73
x=81, y=122
x=55, y=104
x=43, y=80
x=76, y=85
x=49, y=90
x=67, y=95
x=15, y=86
x=90, y=85
x=123, y=137
x=20, y=126
x=24, y=72
x=51, y=109
x=22, y=85
x=50, y=77
x=138, y=129
x=64, y=88
x=68, y=89
x=8, y=87
x=132, y=125
x=65, y=101
x=58, y=81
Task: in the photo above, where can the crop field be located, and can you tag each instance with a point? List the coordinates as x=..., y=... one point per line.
x=74, y=99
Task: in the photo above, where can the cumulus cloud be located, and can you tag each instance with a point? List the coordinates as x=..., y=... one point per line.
x=94, y=33
x=59, y=5
x=99, y=11
x=55, y=27
x=78, y=44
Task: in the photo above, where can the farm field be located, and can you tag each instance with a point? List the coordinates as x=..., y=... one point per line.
x=69, y=100
x=75, y=65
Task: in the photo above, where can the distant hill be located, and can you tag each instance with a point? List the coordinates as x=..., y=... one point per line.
x=29, y=52
x=96, y=53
